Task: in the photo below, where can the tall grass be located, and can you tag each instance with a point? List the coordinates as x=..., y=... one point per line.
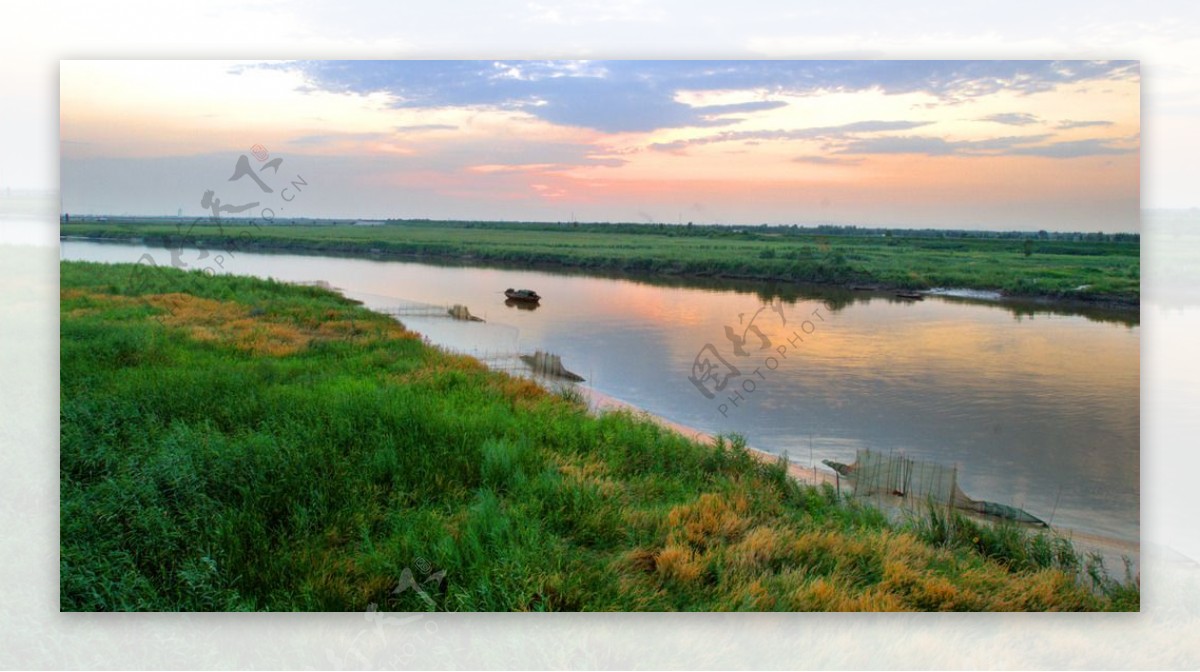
x=1019, y=549
x=238, y=444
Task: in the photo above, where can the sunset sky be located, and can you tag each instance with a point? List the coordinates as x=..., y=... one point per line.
x=962, y=144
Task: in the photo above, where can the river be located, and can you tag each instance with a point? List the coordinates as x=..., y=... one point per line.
x=1037, y=407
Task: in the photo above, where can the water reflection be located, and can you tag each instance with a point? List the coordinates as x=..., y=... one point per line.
x=521, y=305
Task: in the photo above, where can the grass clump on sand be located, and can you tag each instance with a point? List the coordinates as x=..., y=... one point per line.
x=230, y=443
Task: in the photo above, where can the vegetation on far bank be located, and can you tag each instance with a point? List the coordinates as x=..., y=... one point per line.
x=230, y=443
x=1098, y=268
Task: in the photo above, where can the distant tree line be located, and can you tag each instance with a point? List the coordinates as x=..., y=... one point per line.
x=751, y=232
x=779, y=230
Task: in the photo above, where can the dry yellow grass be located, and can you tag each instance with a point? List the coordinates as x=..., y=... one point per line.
x=93, y=302
x=229, y=323
x=523, y=392
x=757, y=597
x=589, y=472
x=777, y=567
x=758, y=549
x=1047, y=590
x=711, y=519
x=679, y=563
x=234, y=324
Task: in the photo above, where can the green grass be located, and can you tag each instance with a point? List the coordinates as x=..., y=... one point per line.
x=1083, y=270
x=230, y=443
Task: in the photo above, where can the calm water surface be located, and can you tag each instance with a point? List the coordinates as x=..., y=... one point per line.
x=1038, y=410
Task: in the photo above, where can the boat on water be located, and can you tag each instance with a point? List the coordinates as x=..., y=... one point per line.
x=914, y=296
x=527, y=295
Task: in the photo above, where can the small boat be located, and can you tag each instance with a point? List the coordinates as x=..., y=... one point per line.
x=522, y=295
x=915, y=296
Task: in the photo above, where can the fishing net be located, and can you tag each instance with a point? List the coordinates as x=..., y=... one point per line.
x=918, y=482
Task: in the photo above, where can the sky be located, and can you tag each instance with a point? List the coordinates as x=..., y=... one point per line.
x=947, y=144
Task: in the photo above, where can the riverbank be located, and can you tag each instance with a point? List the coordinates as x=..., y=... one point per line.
x=600, y=402
x=1113, y=551
x=231, y=443
x=1102, y=274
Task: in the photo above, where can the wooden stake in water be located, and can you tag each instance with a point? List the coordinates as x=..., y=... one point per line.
x=1055, y=509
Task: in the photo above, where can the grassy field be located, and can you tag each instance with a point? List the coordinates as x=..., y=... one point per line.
x=230, y=443
x=1081, y=270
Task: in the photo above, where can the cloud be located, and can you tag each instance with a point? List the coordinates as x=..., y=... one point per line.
x=827, y=160
x=752, y=106
x=1073, y=149
x=455, y=153
x=513, y=152
x=677, y=145
x=420, y=128
x=1012, y=118
x=638, y=96
x=928, y=146
x=1068, y=124
x=333, y=138
x=1025, y=145
x=870, y=127
x=932, y=146
x=606, y=162
x=812, y=133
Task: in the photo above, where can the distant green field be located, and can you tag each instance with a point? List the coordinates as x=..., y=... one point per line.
x=231, y=443
x=1085, y=270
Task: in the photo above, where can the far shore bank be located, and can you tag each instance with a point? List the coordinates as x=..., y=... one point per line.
x=1065, y=300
